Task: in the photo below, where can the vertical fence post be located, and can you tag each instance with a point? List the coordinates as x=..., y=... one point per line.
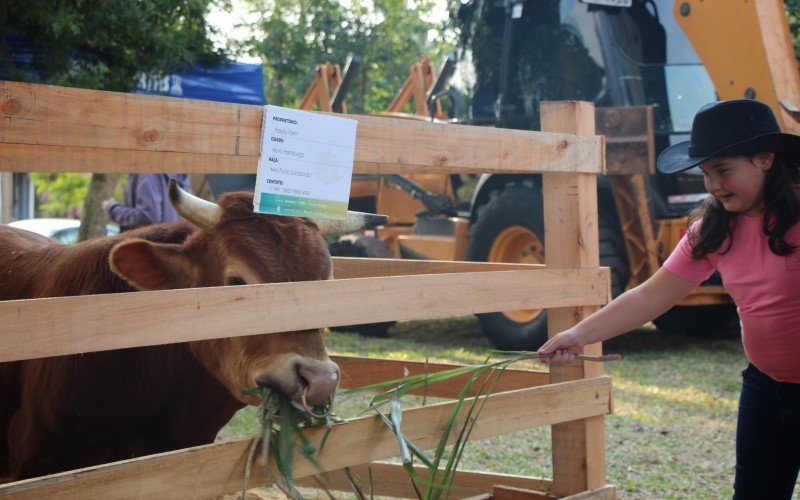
x=571, y=241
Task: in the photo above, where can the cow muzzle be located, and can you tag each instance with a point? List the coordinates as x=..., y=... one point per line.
x=310, y=382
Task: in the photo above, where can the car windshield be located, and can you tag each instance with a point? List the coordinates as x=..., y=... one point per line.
x=62, y=230
x=66, y=236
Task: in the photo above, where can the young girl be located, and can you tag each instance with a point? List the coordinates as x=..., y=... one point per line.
x=748, y=230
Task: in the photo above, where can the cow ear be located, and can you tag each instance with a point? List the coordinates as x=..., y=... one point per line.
x=150, y=266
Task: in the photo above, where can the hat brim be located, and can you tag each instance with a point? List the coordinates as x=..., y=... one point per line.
x=676, y=158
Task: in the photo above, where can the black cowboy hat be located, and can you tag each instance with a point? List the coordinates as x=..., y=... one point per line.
x=729, y=128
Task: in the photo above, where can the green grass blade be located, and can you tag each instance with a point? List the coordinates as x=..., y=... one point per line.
x=433, y=490
x=328, y=430
x=285, y=445
x=402, y=386
x=459, y=450
x=371, y=484
x=419, y=453
x=355, y=484
x=469, y=424
x=396, y=416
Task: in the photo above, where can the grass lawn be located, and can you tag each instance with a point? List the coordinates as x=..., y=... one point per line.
x=675, y=401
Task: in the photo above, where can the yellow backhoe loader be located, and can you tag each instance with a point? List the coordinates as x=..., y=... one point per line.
x=648, y=65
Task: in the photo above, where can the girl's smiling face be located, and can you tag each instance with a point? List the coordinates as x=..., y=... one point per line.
x=738, y=181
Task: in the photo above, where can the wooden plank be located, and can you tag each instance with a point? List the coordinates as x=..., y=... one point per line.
x=69, y=325
x=607, y=492
x=418, y=83
x=358, y=372
x=96, y=131
x=570, y=209
x=60, y=159
x=502, y=492
x=216, y=469
x=363, y=267
x=391, y=479
x=324, y=90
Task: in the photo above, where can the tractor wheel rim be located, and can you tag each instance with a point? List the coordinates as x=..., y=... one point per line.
x=519, y=245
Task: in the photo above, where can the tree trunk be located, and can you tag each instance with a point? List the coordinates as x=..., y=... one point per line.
x=93, y=221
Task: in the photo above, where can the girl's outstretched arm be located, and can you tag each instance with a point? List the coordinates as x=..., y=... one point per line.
x=630, y=310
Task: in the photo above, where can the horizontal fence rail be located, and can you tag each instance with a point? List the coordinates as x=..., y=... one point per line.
x=56, y=129
x=216, y=469
x=368, y=267
x=358, y=372
x=394, y=481
x=36, y=328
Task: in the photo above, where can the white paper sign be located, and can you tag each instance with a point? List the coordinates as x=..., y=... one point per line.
x=306, y=164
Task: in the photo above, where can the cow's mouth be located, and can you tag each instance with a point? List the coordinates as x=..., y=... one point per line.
x=311, y=384
x=317, y=411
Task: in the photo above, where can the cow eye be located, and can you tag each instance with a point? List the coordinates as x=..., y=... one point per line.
x=235, y=281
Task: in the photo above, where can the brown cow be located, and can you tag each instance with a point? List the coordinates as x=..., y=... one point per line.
x=75, y=411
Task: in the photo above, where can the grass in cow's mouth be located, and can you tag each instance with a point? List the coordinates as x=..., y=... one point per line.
x=439, y=480
x=281, y=435
x=282, y=421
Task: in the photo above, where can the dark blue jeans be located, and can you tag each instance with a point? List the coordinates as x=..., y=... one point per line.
x=767, y=437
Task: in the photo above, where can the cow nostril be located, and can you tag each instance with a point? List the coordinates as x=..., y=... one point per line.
x=321, y=381
x=326, y=408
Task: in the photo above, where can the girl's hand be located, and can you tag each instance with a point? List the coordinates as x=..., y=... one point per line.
x=563, y=348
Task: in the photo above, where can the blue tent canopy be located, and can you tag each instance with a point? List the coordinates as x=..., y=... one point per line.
x=231, y=81
x=235, y=82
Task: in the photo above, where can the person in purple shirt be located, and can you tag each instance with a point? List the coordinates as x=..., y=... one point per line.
x=145, y=201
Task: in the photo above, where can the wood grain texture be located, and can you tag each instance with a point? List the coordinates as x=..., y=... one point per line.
x=391, y=479
x=359, y=372
x=365, y=267
x=46, y=128
x=68, y=325
x=571, y=240
x=216, y=469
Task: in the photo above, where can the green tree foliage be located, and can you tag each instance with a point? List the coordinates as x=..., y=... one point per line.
x=105, y=44
x=59, y=195
x=99, y=44
x=793, y=15
x=293, y=36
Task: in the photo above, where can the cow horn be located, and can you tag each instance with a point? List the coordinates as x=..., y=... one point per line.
x=355, y=221
x=198, y=211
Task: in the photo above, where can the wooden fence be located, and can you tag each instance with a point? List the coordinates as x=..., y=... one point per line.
x=53, y=129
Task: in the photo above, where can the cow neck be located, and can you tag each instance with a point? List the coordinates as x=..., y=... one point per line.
x=83, y=268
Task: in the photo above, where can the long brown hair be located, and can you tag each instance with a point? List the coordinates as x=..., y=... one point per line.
x=782, y=212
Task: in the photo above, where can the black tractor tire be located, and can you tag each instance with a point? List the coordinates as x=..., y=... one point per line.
x=516, y=207
x=699, y=321
x=350, y=248
x=520, y=205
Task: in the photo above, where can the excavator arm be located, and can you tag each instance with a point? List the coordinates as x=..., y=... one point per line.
x=747, y=49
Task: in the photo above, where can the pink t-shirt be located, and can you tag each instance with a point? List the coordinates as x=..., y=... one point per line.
x=765, y=287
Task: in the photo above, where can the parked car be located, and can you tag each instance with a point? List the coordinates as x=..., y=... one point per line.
x=62, y=230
